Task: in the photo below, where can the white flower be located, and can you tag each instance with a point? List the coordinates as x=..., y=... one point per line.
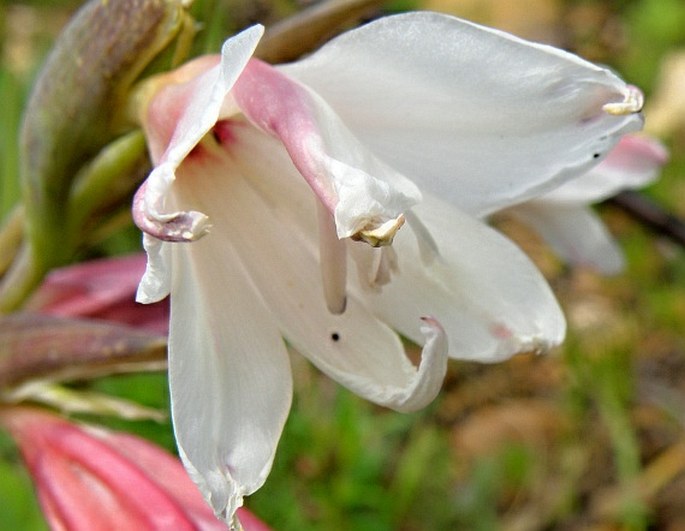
x=293, y=170
x=564, y=218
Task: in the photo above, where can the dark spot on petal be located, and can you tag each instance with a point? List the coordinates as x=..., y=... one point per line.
x=335, y=336
x=596, y=156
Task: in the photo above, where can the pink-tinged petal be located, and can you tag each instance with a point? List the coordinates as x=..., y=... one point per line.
x=262, y=212
x=475, y=116
x=101, y=289
x=363, y=193
x=488, y=315
x=166, y=100
x=201, y=100
x=634, y=163
x=574, y=232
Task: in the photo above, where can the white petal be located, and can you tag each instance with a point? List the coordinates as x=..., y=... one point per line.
x=485, y=292
x=228, y=368
x=360, y=190
x=156, y=282
x=475, y=116
x=575, y=233
x=271, y=218
x=202, y=106
x=634, y=163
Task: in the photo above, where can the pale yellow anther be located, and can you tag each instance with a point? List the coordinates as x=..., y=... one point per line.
x=380, y=235
x=631, y=104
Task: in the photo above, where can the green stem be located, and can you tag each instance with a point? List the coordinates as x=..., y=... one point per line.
x=613, y=407
x=11, y=236
x=20, y=281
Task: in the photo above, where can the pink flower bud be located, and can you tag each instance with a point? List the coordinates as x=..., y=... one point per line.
x=101, y=289
x=91, y=479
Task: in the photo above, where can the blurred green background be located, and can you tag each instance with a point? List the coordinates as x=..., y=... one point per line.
x=588, y=437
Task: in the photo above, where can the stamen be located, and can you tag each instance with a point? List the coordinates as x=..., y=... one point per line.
x=333, y=257
x=387, y=265
x=379, y=235
x=632, y=103
x=375, y=266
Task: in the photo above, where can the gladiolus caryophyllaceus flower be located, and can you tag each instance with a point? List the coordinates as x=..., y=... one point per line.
x=564, y=219
x=418, y=118
x=90, y=478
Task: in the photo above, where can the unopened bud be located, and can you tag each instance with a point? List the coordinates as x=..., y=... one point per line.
x=89, y=478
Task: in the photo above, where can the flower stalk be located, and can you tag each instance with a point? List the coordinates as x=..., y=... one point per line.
x=59, y=349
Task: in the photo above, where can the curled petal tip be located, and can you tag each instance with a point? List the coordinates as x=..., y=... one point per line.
x=177, y=227
x=430, y=374
x=632, y=103
x=380, y=235
x=431, y=321
x=432, y=329
x=180, y=227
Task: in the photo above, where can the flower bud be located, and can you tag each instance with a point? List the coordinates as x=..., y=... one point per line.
x=89, y=478
x=102, y=289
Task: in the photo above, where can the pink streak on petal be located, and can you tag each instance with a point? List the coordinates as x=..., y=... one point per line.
x=501, y=331
x=281, y=107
